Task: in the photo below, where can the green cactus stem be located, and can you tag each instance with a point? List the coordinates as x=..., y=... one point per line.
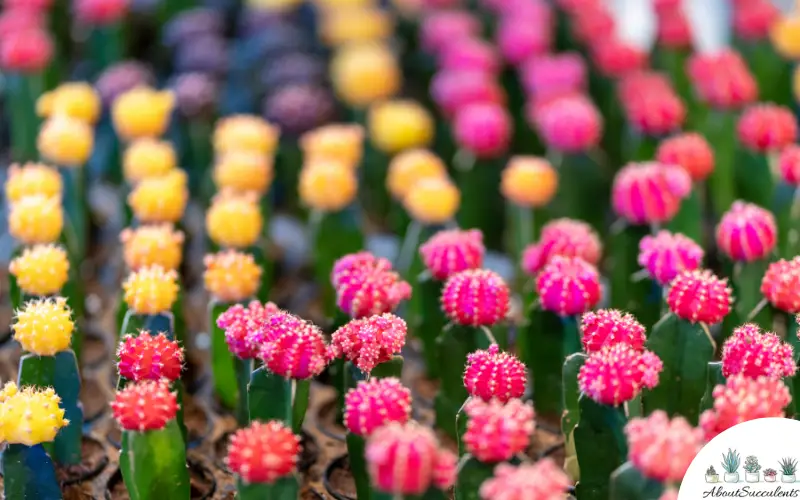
x=106, y=45
x=719, y=128
x=473, y=176
x=272, y=397
x=227, y=379
x=639, y=147
x=22, y=92
x=572, y=412
x=374, y=169
x=585, y=185
x=786, y=208
x=772, y=73
x=627, y=483
x=471, y=475
x=689, y=219
x=540, y=345
x=61, y=373
x=523, y=225
x=358, y=465
x=641, y=297
x=153, y=463
x=76, y=227
x=430, y=320
x=749, y=304
x=714, y=378
x=686, y=349
x=600, y=445
x=28, y=472
x=286, y=488
x=133, y=323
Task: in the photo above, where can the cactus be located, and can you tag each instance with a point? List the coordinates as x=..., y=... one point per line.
x=150, y=294
x=730, y=461
x=751, y=464
x=788, y=466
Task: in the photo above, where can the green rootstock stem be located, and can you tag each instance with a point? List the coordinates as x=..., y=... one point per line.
x=261, y=258
x=358, y=465
x=76, y=209
x=689, y=219
x=627, y=483
x=198, y=156
x=153, y=463
x=61, y=373
x=686, y=349
x=288, y=163
x=430, y=321
x=585, y=185
x=639, y=147
x=105, y=161
x=223, y=371
x=28, y=472
x=243, y=368
x=409, y=248
x=154, y=324
x=720, y=130
x=454, y=344
x=600, y=445
x=714, y=378
x=772, y=72
x=746, y=282
x=641, y=297
x=285, y=488
x=471, y=475
x=22, y=92
x=786, y=207
x=106, y=45
x=374, y=168
x=478, y=179
x=572, y=412
x=540, y=347
x=793, y=340
x=755, y=181
x=673, y=62
x=272, y=397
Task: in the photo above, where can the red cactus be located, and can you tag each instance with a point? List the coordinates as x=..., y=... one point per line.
x=662, y=449
x=374, y=403
x=608, y=327
x=368, y=342
x=542, y=480
x=592, y=22
x=568, y=286
x=754, y=353
x=263, y=452
x=564, y=237
x=241, y=323
x=767, y=127
x=722, y=79
x=482, y=438
x=484, y=129
x=615, y=58
x=617, y=373
x=145, y=406
x=400, y=456
x=752, y=20
x=475, y=297
x=451, y=251
x=100, y=12
x=471, y=54
x=789, y=165
x=651, y=105
x=293, y=348
x=781, y=285
x=366, y=285
x=492, y=374
x=149, y=357
x=646, y=193
x=26, y=50
x=690, y=151
x=445, y=470
x=569, y=124
x=674, y=30
x=747, y=232
x=666, y=255
x=699, y=297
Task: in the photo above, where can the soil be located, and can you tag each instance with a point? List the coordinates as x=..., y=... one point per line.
x=341, y=480
x=94, y=350
x=202, y=484
x=327, y=421
x=93, y=460
x=425, y=391
x=94, y=398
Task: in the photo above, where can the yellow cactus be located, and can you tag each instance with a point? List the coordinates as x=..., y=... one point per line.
x=400, y=124
x=328, y=186
x=529, y=181
x=785, y=35
x=364, y=73
x=44, y=326
x=30, y=416
x=340, y=142
x=234, y=219
x=65, y=141
x=151, y=290
x=36, y=219
x=243, y=171
x=355, y=24
x=330, y=5
x=142, y=112
x=32, y=178
x=160, y=199
x=41, y=269
x=231, y=276
x=148, y=157
x=411, y=166
x=154, y=245
x=434, y=200
x=245, y=133
x=77, y=100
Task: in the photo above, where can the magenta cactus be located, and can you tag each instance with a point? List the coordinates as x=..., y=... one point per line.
x=543, y=480
x=781, y=285
x=747, y=232
x=483, y=129
x=662, y=449
x=240, y=322
x=646, y=193
x=374, y=403
x=754, y=353
x=366, y=285
x=368, y=342
x=699, y=297
x=568, y=286
x=618, y=373
x=475, y=297
x=608, y=327
x=554, y=75
x=453, y=90
x=767, y=127
x=564, y=237
x=451, y=251
x=482, y=439
x=471, y=54
x=666, y=255
x=492, y=374
x=441, y=29
x=569, y=124
x=295, y=352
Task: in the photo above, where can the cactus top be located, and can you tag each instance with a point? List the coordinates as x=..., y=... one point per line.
x=616, y=58
x=65, y=141
x=100, y=12
x=160, y=199
x=263, y=452
x=243, y=171
x=767, y=128
x=145, y=406
x=529, y=181
x=665, y=255
x=784, y=36
x=357, y=262
x=570, y=124
x=617, y=373
x=77, y=100
x=492, y=374
x=30, y=179
x=234, y=220
x=293, y=348
x=152, y=245
x=647, y=193
x=241, y=323
x=408, y=167
x=433, y=200
x=542, y=480
x=484, y=441
x=753, y=353
x=651, y=106
x=440, y=28
x=568, y=286
x=484, y=129
x=44, y=327
x=690, y=151
x=340, y=142
x=29, y=416
x=742, y=399
x=366, y=285
x=41, y=270
x=662, y=449
x=149, y=357
x=564, y=237
x=374, y=403
x=327, y=185
x=245, y=133
x=781, y=285
x=752, y=20
x=699, y=297
x=451, y=251
x=370, y=341
x=36, y=219
x=475, y=297
x=722, y=79
x=151, y=290
x=747, y=232
x=788, y=165
x=148, y=157
x=400, y=124
x=142, y=112
x=231, y=276
x=608, y=327
x=365, y=73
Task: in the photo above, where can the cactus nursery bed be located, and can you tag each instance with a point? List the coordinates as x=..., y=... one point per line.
x=424, y=250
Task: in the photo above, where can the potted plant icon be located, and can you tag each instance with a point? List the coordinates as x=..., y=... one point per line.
x=751, y=468
x=711, y=475
x=788, y=468
x=730, y=464
x=770, y=475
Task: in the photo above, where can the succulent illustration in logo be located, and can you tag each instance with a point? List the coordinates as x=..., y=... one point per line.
x=788, y=469
x=751, y=469
x=711, y=475
x=770, y=475
x=730, y=464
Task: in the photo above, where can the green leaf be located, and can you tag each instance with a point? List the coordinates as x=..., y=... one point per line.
x=226, y=386
x=153, y=464
x=285, y=488
x=270, y=397
x=601, y=447
x=28, y=472
x=358, y=465
x=471, y=475
x=540, y=346
x=714, y=378
x=454, y=344
x=627, y=483
x=685, y=350
x=302, y=390
x=431, y=321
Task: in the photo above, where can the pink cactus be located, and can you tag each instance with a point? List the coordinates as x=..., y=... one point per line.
x=145, y=406
x=592, y=22
x=564, y=237
x=666, y=255
x=366, y=285
x=608, y=327
x=451, y=251
x=482, y=439
x=653, y=110
x=443, y=28
x=767, y=127
x=754, y=353
x=240, y=322
x=483, y=129
x=662, y=449
x=617, y=373
x=471, y=54
x=742, y=399
x=789, y=165
x=568, y=286
x=149, y=357
x=699, y=297
x=781, y=285
x=445, y=470
x=518, y=42
x=647, y=193
x=453, y=90
x=554, y=75
x=752, y=20
x=475, y=297
x=296, y=352
x=747, y=232
x=374, y=403
x=494, y=374
x=722, y=79
x=357, y=263
x=569, y=124
x=543, y=480
x=674, y=30
x=690, y=151
x=100, y=12
x=370, y=341
x=615, y=58
x=263, y=452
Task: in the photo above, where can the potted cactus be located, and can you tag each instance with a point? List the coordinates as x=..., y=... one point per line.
x=730, y=464
x=711, y=475
x=770, y=475
x=788, y=468
x=751, y=468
